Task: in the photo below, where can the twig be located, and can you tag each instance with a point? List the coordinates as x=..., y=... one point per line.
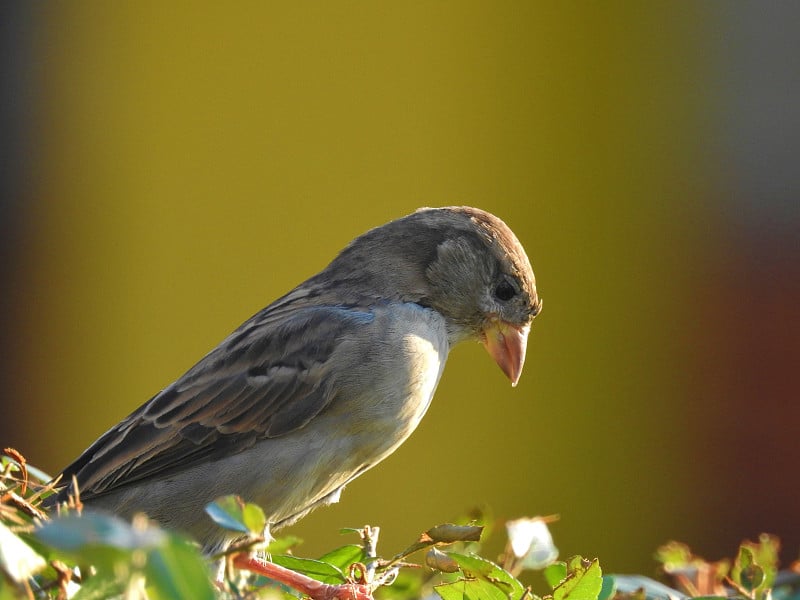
x=303, y=584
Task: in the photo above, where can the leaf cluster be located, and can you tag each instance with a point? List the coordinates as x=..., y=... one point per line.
x=82, y=555
x=752, y=575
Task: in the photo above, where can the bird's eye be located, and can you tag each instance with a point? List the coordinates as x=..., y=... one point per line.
x=504, y=291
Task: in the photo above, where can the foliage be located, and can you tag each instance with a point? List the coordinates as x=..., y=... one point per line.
x=84, y=555
x=752, y=575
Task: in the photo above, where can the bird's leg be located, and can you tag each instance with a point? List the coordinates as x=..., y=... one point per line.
x=303, y=584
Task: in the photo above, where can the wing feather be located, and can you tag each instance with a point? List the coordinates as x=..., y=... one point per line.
x=269, y=378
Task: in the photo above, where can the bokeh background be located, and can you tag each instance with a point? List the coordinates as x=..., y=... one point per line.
x=168, y=169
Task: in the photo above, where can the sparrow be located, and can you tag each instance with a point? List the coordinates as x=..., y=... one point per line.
x=322, y=384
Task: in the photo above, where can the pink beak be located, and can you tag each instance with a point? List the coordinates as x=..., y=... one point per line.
x=506, y=344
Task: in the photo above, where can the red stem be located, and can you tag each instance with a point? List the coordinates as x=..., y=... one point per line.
x=303, y=584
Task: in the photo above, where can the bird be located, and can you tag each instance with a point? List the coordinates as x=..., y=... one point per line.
x=322, y=384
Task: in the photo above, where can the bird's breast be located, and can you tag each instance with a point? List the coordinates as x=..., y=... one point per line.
x=391, y=378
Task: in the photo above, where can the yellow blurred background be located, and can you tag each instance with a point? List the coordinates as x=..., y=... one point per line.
x=171, y=169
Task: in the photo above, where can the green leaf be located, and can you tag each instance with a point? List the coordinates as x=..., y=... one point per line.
x=674, y=555
x=171, y=566
x=746, y=572
x=315, y=569
x=555, y=573
x=254, y=518
x=99, y=587
x=487, y=571
x=407, y=585
x=471, y=589
x=576, y=563
x=74, y=532
x=608, y=589
x=104, y=541
x=283, y=544
x=756, y=566
x=344, y=556
x=234, y=514
x=451, y=591
x=177, y=570
x=583, y=582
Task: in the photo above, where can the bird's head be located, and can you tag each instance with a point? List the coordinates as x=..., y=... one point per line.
x=463, y=262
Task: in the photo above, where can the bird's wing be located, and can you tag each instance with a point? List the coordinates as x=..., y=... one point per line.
x=270, y=377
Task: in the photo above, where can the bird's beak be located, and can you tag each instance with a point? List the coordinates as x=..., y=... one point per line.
x=506, y=344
